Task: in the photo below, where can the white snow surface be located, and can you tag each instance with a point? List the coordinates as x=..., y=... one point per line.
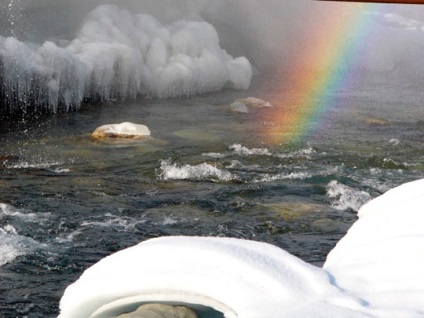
x=376, y=270
x=381, y=259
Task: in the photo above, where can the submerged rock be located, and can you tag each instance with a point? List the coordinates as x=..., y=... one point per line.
x=376, y=121
x=254, y=102
x=160, y=311
x=196, y=135
x=291, y=211
x=328, y=225
x=125, y=130
x=243, y=105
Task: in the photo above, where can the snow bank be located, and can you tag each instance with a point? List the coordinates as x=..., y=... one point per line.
x=118, y=55
x=382, y=256
x=375, y=271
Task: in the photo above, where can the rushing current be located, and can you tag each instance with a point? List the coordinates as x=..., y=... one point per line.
x=66, y=201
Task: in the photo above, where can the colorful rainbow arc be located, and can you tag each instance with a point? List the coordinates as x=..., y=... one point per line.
x=316, y=72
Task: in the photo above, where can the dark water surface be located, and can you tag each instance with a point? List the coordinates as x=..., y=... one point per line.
x=67, y=201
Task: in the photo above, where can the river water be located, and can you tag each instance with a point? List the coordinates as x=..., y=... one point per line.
x=67, y=201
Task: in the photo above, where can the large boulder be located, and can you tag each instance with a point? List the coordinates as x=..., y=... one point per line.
x=254, y=102
x=124, y=130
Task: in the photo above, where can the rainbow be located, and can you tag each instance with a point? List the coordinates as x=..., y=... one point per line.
x=307, y=89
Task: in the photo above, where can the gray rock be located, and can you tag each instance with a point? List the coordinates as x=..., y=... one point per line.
x=244, y=105
x=160, y=311
x=239, y=107
x=254, y=102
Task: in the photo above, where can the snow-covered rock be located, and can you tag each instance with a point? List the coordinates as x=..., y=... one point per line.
x=243, y=105
x=123, y=130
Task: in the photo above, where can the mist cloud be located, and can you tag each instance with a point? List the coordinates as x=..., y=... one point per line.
x=269, y=33
x=266, y=32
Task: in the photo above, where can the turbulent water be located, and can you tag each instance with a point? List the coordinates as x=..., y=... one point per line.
x=67, y=201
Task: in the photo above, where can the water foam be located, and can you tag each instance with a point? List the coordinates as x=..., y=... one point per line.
x=346, y=197
x=12, y=244
x=203, y=171
x=118, y=55
x=244, y=151
x=283, y=176
x=53, y=166
x=113, y=221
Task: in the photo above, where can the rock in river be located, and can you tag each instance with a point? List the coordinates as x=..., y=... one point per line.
x=160, y=311
x=243, y=105
x=125, y=130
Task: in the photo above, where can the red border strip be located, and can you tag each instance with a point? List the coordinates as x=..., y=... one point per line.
x=382, y=1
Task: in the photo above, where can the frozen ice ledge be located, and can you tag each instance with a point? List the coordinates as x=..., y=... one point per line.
x=116, y=56
x=376, y=270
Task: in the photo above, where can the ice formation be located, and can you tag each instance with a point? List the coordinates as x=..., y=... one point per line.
x=374, y=271
x=118, y=55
